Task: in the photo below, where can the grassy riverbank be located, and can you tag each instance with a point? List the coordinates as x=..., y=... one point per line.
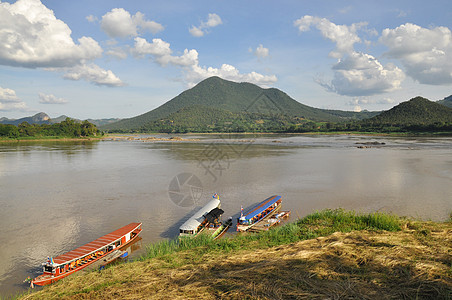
x=329, y=254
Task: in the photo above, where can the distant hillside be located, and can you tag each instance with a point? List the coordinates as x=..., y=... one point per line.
x=208, y=119
x=417, y=111
x=43, y=118
x=39, y=118
x=221, y=94
x=446, y=101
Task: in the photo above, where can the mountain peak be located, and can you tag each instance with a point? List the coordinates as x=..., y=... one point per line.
x=417, y=110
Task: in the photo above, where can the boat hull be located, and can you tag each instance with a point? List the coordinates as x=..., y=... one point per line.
x=241, y=227
x=46, y=279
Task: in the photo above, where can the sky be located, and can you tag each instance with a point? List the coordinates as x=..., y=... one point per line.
x=119, y=59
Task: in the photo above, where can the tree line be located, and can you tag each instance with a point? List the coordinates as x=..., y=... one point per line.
x=68, y=128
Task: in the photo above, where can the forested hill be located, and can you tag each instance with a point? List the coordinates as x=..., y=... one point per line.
x=417, y=111
x=225, y=95
x=446, y=101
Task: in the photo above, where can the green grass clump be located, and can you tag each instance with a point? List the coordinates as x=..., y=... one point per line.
x=314, y=225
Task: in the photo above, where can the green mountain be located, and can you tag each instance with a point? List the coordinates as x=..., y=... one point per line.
x=417, y=111
x=228, y=96
x=446, y=101
x=200, y=118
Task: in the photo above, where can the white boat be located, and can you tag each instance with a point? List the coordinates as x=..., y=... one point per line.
x=198, y=222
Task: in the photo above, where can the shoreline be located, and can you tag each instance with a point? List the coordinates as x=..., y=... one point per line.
x=326, y=253
x=50, y=140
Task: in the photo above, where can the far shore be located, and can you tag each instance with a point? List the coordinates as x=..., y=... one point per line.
x=175, y=137
x=9, y=140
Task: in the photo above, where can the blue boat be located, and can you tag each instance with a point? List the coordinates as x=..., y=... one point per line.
x=258, y=213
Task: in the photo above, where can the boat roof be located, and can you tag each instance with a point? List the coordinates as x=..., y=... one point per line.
x=198, y=217
x=260, y=207
x=95, y=245
x=214, y=214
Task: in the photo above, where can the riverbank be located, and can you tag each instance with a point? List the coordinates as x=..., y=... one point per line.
x=49, y=139
x=328, y=254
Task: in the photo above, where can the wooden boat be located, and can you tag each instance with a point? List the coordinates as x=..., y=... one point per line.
x=202, y=219
x=222, y=229
x=275, y=219
x=80, y=258
x=260, y=212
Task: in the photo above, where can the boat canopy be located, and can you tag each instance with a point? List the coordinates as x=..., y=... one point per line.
x=214, y=214
x=199, y=216
x=260, y=207
x=95, y=245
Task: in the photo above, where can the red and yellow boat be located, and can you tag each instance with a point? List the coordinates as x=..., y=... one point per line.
x=78, y=259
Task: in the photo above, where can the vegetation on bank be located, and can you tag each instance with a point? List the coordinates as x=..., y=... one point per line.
x=418, y=115
x=65, y=129
x=328, y=254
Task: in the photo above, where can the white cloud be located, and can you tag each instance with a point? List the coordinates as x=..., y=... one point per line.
x=8, y=95
x=357, y=108
x=16, y=106
x=196, y=31
x=426, y=54
x=360, y=74
x=367, y=101
x=228, y=72
x=355, y=73
x=261, y=51
x=9, y=101
x=117, y=52
x=213, y=20
x=31, y=36
x=51, y=99
x=91, y=19
x=160, y=51
x=93, y=74
x=120, y=23
x=344, y=36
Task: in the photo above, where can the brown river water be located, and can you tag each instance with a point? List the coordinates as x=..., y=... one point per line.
x=57, y=196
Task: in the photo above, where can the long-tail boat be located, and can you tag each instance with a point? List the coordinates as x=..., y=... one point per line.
x=80, y=258
x=220, y=231
x=202, y=218
x=258, y=213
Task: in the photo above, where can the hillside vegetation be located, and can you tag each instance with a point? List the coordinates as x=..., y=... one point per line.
x=417, y=114
x=326, y=255
x=446, y=101
x=224, y=95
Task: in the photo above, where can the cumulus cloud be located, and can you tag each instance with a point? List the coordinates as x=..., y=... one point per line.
x=160, y=51
x=94, y=74
x=228, y=72
x=8, y=95
x=261, y=51
x=51, y=99
x=355, y=73
x=344, y=36
x=31, y=36
x=426, y=54
x=213, y=20
x=9, y=100
x=120, y=23
x=360, y=74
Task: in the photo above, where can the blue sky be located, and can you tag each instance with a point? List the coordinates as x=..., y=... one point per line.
x=102, y=59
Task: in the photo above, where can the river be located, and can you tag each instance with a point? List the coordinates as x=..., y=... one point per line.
x=57, y=196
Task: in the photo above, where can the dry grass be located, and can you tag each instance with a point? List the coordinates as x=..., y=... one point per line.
x=414, y=263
